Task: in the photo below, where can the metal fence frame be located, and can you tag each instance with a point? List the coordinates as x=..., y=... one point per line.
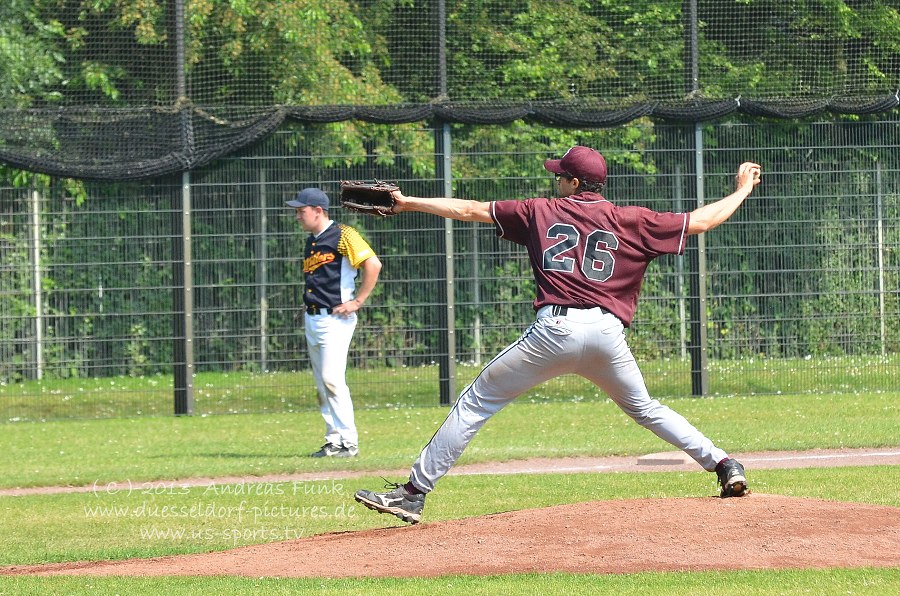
x=696, y=164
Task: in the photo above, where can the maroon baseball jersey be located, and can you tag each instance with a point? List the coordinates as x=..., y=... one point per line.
x=587, y=252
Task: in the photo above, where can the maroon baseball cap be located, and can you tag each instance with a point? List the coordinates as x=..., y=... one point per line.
x=581, y=162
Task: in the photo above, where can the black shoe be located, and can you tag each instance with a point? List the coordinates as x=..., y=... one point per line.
x=347, y=451
x=407, y=506
x=332, y=450
x=731, y=477
x=327, y=450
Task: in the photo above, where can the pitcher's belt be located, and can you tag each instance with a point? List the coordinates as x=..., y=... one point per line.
x=584, y=315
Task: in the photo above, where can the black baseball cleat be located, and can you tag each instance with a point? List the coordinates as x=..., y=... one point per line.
x=405, y=505
x=332, y=450
x=347, y=451
x=731, y=477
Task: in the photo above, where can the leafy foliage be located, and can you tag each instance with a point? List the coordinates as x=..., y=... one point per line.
x=796, y=273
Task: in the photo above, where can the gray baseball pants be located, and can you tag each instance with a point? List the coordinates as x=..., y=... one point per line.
x=587, y=342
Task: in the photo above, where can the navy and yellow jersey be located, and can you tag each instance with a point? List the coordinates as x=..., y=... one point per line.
x=330, y=262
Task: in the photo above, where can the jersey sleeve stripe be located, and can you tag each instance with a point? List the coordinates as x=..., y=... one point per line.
x=684, y=226
x=502, y=233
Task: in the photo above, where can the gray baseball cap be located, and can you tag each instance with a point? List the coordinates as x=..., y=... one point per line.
x=310, y=197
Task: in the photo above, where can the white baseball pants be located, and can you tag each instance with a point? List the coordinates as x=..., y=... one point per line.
x=587, y=342
x=328, y=341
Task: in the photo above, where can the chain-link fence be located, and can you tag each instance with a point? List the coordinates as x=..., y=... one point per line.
x=132, y=89
x=108, y=309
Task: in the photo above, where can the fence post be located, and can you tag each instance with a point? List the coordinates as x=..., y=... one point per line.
x=447, y=357
x=183, y=349
x=184, y=273
x=699, y=321
x=37, y=285
x=443, y=166
x=262, y=273
x=879, y=208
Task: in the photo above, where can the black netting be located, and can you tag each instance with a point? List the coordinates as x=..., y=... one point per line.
x=785, y=109
x=474, y=114
x=864, y=105
x=587, y=116
x=695, y=110
x=131, y=89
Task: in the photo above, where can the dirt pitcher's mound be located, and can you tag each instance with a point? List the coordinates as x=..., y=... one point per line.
x=754, y=532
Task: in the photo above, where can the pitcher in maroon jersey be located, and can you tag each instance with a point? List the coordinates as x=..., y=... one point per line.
x=588, y=257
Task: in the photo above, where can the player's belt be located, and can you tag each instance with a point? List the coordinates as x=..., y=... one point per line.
x=575, y=314
x=561, y=311
x=315, y=309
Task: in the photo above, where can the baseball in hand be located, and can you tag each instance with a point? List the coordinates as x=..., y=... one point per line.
x=753, y=169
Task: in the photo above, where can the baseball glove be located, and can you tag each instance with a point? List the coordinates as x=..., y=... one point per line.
x=371, y=198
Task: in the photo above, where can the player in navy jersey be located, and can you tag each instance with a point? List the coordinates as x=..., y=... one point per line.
x=333, y=254
x=588, y=257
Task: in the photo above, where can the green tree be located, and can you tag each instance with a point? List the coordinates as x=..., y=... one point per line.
x=30, y=57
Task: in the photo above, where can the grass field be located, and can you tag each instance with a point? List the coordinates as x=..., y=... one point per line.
x=107, y=523
x=82, y=452
x=280, y=392
x=854, y=582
